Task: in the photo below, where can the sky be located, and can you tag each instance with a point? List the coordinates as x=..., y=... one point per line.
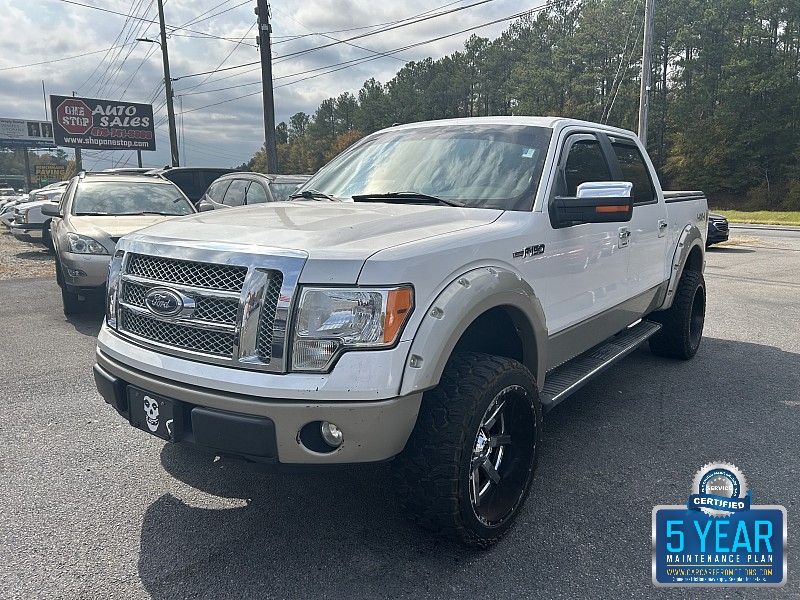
x=89, y=47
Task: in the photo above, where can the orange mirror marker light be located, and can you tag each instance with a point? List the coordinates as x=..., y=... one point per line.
x=610, y=209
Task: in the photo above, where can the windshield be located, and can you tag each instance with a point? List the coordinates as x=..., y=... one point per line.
x=487, y=166
x=129, y=198
x=281, y=191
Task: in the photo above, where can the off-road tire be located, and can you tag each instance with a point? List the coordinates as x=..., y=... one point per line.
x=441, y=471
x=682, y=324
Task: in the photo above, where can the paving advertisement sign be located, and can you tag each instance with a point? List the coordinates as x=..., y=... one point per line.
x=51, y=172
x=102, y=124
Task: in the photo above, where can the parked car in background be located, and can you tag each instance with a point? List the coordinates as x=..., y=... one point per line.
x=7, y=209
x=96, y=210
x=7, y=192
x=26, y=220
x=193, y=181
x=242, y=188
x=30, y=224
x=717, y=229
x=47, y=192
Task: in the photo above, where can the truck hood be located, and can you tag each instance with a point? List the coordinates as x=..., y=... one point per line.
x=337, y=229
x=336, y=237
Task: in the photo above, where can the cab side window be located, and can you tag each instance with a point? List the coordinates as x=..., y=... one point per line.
x=585, y=162
x=235, y=194
x=635, y=171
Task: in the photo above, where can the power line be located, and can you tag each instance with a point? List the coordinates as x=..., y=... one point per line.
x=47, y=62
x=350, y=39
x=371, y=58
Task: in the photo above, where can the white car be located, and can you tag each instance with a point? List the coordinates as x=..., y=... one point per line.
x=30, y=225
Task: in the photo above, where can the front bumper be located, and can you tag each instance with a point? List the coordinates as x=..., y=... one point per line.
x=717, y=234
x=265, y=430
x=84, y=270
x=27, y=232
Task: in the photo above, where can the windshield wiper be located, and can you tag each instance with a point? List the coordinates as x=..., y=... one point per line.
x=401, y=196
x=91, y=214
x=311, y=195
x=147, y=212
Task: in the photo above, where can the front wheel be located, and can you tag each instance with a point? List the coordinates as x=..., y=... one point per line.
x=682, y=324
x=47, y=239
x=469, y=463
x=72, y=301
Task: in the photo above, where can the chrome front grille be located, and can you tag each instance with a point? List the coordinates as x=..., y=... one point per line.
x=234, y=306
x=216, y=343
x=266, y=323
x=219, y=277
x=209, y=308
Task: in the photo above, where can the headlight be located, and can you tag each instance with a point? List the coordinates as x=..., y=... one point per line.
x=80, y=244
x=330, y=321
x=112, y=288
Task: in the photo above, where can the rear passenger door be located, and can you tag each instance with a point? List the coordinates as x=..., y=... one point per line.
x=648, y=227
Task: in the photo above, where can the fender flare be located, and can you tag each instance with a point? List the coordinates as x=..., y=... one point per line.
x=691, y=237
x=461, y=302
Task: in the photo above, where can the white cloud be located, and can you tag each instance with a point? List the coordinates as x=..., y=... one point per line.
x=47, y=31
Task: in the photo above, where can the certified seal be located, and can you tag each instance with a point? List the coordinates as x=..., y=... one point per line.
x=719, y=490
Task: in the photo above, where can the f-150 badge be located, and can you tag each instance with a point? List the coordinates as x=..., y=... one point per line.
x=529, y=251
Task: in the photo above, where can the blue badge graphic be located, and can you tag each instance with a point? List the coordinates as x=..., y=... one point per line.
x=719, y=538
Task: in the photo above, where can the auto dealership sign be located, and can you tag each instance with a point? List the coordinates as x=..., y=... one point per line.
x=102, y=124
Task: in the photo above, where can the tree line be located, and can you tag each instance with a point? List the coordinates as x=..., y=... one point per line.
x=724, y=103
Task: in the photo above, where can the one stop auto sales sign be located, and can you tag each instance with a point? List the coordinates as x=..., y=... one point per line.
x=102, y=124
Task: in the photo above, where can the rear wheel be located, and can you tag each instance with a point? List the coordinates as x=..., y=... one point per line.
x=469, y=463
x=682, y=324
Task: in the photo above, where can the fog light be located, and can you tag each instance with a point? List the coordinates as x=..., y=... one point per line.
x=75, y=272
x=331, y=434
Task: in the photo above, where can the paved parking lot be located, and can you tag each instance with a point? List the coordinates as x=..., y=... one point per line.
x=95, y=509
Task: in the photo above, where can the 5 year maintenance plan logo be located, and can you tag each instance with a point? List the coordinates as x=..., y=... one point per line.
x=719, y=537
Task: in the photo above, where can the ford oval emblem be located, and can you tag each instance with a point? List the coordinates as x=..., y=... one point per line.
x=164, y=302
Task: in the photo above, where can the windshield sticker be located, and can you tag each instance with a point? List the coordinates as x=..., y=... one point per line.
x=528, y=152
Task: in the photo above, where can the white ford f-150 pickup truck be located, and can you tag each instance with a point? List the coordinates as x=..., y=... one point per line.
x=474, y=273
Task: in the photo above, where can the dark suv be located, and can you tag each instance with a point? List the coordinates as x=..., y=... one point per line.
x=193, y=181
x=238, y=189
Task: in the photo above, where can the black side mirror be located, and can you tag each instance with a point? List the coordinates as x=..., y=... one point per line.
x=595, y=202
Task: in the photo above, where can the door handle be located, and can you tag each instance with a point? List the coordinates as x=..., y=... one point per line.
x=662, y=227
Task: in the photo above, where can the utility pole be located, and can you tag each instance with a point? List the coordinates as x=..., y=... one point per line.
x=173, y=136
x=647, y=52
x=264, y=29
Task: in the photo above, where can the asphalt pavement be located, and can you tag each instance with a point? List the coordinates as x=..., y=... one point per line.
x=92, y=508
